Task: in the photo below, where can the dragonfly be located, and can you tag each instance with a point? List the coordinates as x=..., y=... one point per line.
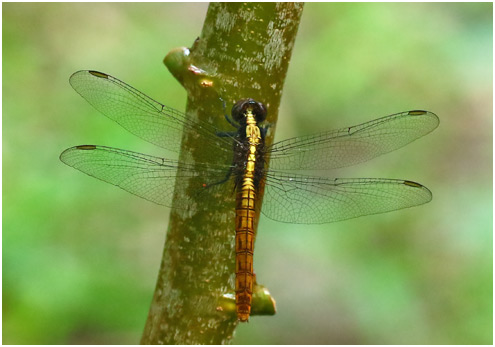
x=240, y=162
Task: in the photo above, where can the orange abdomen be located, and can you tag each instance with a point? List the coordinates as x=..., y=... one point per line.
x=244, y=247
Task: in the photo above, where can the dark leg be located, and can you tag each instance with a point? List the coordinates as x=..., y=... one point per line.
x=226, y=133
x=227, y=177
x=227, y=116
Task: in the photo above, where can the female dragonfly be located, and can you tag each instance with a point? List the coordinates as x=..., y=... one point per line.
x=238, y=162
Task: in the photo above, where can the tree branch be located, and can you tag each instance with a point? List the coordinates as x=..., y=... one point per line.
x=243, y=51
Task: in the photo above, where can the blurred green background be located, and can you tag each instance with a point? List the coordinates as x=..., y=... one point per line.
x=80, y=257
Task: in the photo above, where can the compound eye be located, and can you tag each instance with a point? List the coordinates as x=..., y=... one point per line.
x=239, y=109
x=259, y=111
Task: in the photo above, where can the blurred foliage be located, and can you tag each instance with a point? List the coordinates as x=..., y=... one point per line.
x=80, y=257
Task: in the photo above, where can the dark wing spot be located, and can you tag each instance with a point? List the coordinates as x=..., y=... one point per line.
x=98, y=74
x=86, y=147
x=416, y=113
x=412, y=184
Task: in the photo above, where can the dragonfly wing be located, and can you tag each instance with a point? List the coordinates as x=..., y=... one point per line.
x=313, y=200
x=140, y=114
x=148, y=177
x=353, y=145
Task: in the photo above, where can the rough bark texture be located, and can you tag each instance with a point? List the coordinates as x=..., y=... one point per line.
x=243, y=51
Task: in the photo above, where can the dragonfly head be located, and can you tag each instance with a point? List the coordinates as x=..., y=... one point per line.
x=242, y=106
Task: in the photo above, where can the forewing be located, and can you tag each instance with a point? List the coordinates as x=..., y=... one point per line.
x=349, y=146
x=140, y=114
x=313, y=200
x=148, y=177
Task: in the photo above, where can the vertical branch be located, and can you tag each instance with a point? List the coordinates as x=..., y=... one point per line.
x=243, y=52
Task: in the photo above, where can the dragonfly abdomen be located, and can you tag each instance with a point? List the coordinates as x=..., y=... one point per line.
x=244, y=240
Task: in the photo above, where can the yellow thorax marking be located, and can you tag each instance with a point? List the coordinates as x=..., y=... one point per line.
x=254, y=136
x=252, y=130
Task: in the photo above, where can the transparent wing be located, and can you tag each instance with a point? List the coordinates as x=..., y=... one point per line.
x=313, y=200
x=349, y=146
x=141, y=115
x=149, y=177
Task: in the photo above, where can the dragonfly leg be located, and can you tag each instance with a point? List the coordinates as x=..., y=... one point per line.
x=227, y=177
x=226, y=133
x=231, y=121
x=227, y=116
